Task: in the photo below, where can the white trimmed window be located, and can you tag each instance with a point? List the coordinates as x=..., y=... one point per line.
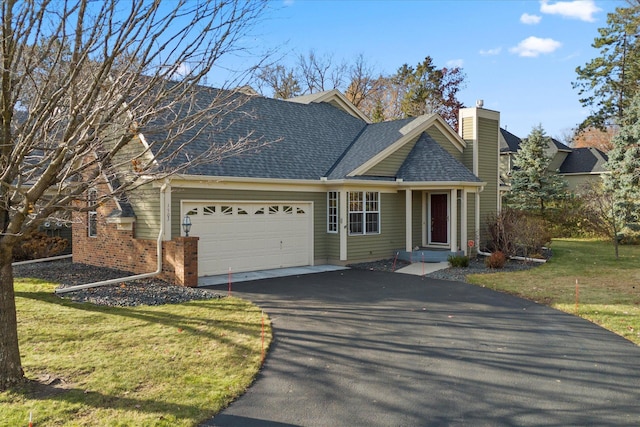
x=92, y=215
x=364, y=212
x=332, y=211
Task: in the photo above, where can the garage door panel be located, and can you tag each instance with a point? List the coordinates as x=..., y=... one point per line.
x=247, y=236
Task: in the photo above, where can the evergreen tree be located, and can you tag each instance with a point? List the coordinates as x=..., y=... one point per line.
x=623, y=181
x=533, y=186
x=607, y=83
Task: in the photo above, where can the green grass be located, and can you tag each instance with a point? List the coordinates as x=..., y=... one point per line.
x=170, y=365
x=608, y=288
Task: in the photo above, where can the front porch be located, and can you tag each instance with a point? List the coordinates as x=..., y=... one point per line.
x=439, y=222
x=427, y=255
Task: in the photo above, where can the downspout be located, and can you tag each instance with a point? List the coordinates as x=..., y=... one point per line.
x=137, y=276
x=516, y=258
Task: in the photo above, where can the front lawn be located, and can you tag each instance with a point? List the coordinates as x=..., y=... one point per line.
x=608, y=289
x=169, y=365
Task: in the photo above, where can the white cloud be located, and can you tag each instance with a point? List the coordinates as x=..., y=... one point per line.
x=453, y=63
x=491, y=52
x=534, y=46
x=576, y=9
x=530, y=19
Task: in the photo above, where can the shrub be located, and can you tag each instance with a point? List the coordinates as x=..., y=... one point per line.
x=458, y=261
x=496, y=260
x=515, y=232
x=39, y=245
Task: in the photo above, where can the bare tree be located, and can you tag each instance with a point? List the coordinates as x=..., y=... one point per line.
x=280, y=80
x=604, y=212
x=80, y=82
x=362, y=83
x=320, y=73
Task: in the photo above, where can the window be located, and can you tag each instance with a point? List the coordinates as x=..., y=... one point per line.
x=332, y=212
x=364, y=212
x=92, y=215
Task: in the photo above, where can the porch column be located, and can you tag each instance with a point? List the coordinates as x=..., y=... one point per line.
x=463, y=222
x=408, y=221
x=342, y=228
x=453, y=220
x=424, y=219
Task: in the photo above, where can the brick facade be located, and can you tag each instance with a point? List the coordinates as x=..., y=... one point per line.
x=120, y=249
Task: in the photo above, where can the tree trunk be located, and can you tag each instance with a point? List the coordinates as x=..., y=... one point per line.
x=10, y=367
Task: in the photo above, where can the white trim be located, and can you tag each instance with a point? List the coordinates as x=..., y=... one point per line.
x=364, y=213
x=343, y=221
x=453, y=220
x=464, y=206
x=337, y=207
x=423, y=217
x=408, y=202
x=423, y=123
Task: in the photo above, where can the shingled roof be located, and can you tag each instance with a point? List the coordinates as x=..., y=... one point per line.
x=307, y=141
x=578, y=160
x=584, y=160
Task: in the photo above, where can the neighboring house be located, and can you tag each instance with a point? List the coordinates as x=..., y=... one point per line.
x=578, y=166
x=332, y=188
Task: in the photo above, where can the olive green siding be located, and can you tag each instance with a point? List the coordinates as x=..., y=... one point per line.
x=488, y=170
x=390, y=165
x=444, y=142
x=391, y=237
x=467, y=131
x=319, y=199
x=146, y=206
x=471, y=216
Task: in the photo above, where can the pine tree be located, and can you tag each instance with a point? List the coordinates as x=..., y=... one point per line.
x=623, y=181
x=533, y=186
x=607, y=83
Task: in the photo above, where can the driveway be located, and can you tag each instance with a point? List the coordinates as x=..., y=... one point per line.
x=361, y=348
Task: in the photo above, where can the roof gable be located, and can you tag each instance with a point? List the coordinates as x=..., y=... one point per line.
x=584, y=160
x=333, y=97
x=430, y=162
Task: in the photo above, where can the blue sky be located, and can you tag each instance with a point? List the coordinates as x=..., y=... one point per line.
x=519, y=56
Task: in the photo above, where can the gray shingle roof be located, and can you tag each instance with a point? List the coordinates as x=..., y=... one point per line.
x=584, y=160
x=305, y=141
x=511, y=143
x=428, y=161
x=373, y=139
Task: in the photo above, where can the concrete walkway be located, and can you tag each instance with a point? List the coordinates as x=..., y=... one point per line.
x=365, y=348
x=416, y=269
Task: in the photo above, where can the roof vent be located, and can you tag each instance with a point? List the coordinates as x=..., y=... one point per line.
x=479, y=103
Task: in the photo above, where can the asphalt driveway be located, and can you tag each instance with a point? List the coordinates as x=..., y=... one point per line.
x=360, y=348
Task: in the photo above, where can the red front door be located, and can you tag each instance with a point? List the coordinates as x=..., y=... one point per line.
x=439, y=219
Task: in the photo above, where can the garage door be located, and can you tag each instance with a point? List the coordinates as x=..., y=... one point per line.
x=251, y=236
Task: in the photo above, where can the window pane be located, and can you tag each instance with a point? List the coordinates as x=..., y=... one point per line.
x=355, y=223
x=372, y=222
x=93, y=224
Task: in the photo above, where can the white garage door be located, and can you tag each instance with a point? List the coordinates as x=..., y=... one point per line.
x=251, y=236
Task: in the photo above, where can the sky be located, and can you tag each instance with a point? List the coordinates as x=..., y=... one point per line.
x=519, y=56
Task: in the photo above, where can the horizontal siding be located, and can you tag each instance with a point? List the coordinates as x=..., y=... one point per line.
x=390, y=165
x=444, y=142
x=392, y=218
x=488, y=170
x=146, y=205
x=467, y=132
x=319, y=215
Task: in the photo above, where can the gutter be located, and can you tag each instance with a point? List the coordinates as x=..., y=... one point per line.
x=137, y=276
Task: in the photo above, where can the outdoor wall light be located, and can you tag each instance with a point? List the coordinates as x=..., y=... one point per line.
x=186, y=225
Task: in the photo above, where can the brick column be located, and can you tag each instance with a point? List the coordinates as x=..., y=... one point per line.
x=186, y=261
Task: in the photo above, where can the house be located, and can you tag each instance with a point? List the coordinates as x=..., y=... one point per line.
x=578, y=166
x=330, y=188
